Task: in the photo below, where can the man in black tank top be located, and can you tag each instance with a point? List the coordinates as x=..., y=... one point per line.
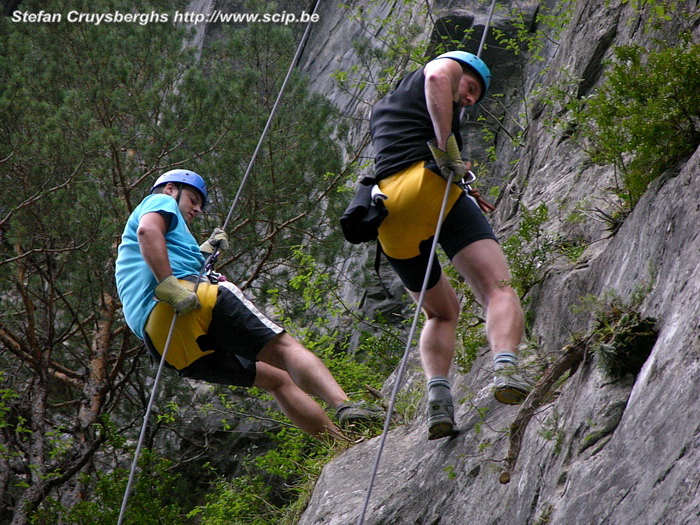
x=417, y=143
x=401, y=127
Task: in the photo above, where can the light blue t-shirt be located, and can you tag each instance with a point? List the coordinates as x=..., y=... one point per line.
x=135, y=280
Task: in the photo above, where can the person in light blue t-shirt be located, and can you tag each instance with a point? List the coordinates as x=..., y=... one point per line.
x=135, y=280
x=219, y=334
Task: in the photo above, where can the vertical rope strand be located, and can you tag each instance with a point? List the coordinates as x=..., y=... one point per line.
x=404, y=360
x=272, y=114
x=146, y=416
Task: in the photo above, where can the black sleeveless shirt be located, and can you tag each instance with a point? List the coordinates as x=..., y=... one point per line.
x=400, y=127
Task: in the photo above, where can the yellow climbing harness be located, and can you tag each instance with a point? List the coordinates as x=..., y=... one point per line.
x=184, y=349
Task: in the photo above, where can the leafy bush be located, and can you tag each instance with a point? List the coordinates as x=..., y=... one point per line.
x=529, y=249
x=624, y=341
x=620, y=338
x=242, y=500
x=156, y=497
x=646, y=116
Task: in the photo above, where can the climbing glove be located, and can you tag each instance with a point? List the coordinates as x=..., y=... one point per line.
x=182, y=300
x=449, y=160
x=218, y=240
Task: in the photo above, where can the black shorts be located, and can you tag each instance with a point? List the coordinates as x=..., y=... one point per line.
x=236, y=334
x=463, y=225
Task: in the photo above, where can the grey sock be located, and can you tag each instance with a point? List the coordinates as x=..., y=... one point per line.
x=439, y=389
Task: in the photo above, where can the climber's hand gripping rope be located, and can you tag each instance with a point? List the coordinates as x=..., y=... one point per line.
x=449, y=160
x=218, y=240
x=212, y=247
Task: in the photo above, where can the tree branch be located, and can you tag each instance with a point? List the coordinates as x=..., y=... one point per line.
x=572, y=356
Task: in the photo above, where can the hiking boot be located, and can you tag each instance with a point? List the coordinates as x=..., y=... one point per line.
x=510, y=387
x=441, y=421
x=350, y=413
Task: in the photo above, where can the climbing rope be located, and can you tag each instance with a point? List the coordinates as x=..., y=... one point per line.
x=300, y=48
x=416, y=317
x=207, y=264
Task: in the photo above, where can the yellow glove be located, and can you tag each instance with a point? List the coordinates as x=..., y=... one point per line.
x=182, y=300
x=449, y=160
x=218, y=240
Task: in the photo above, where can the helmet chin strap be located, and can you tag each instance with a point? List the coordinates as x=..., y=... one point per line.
x=179, y=192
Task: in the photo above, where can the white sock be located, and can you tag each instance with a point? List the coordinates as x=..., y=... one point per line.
x=504, y=359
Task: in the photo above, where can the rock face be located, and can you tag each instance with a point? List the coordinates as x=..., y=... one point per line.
x=601, y=451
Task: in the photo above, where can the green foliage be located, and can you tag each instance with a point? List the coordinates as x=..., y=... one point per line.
x=157, y=487
x=527, y=39
x=553, y=430
x=660, y=11
x=471, y=339
x=312, y=321
x=283, y=204
x=240, y=501
x=393, y=43
x=275, y=486
x=471, y=336
x=623, y=341
x=529, y=250
x=620, y=338
x=545, y=515
x=314, y=291
x=530, y=36
x=382, y=350
x=644, y=118
x=355, y=375
x=572, y=248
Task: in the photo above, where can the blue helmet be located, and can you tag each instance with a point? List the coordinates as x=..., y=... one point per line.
x=184, y=177
x=476, y=64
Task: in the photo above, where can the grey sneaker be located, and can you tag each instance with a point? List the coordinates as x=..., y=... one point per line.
x=349, y=414
x=510, y=387
x=441, y=421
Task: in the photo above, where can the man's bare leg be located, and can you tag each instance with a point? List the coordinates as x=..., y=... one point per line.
x=294, y=403
x=306, y=369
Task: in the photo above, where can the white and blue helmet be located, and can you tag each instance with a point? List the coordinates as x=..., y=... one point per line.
x=184, y=177
x=476, y=64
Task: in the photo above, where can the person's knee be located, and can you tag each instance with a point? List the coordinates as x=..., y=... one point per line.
x=451, y=313
x=503, y=294
x=272, y=379
x=506, y=291
x=441, y=303
x=448, y=312
x=276, y=352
